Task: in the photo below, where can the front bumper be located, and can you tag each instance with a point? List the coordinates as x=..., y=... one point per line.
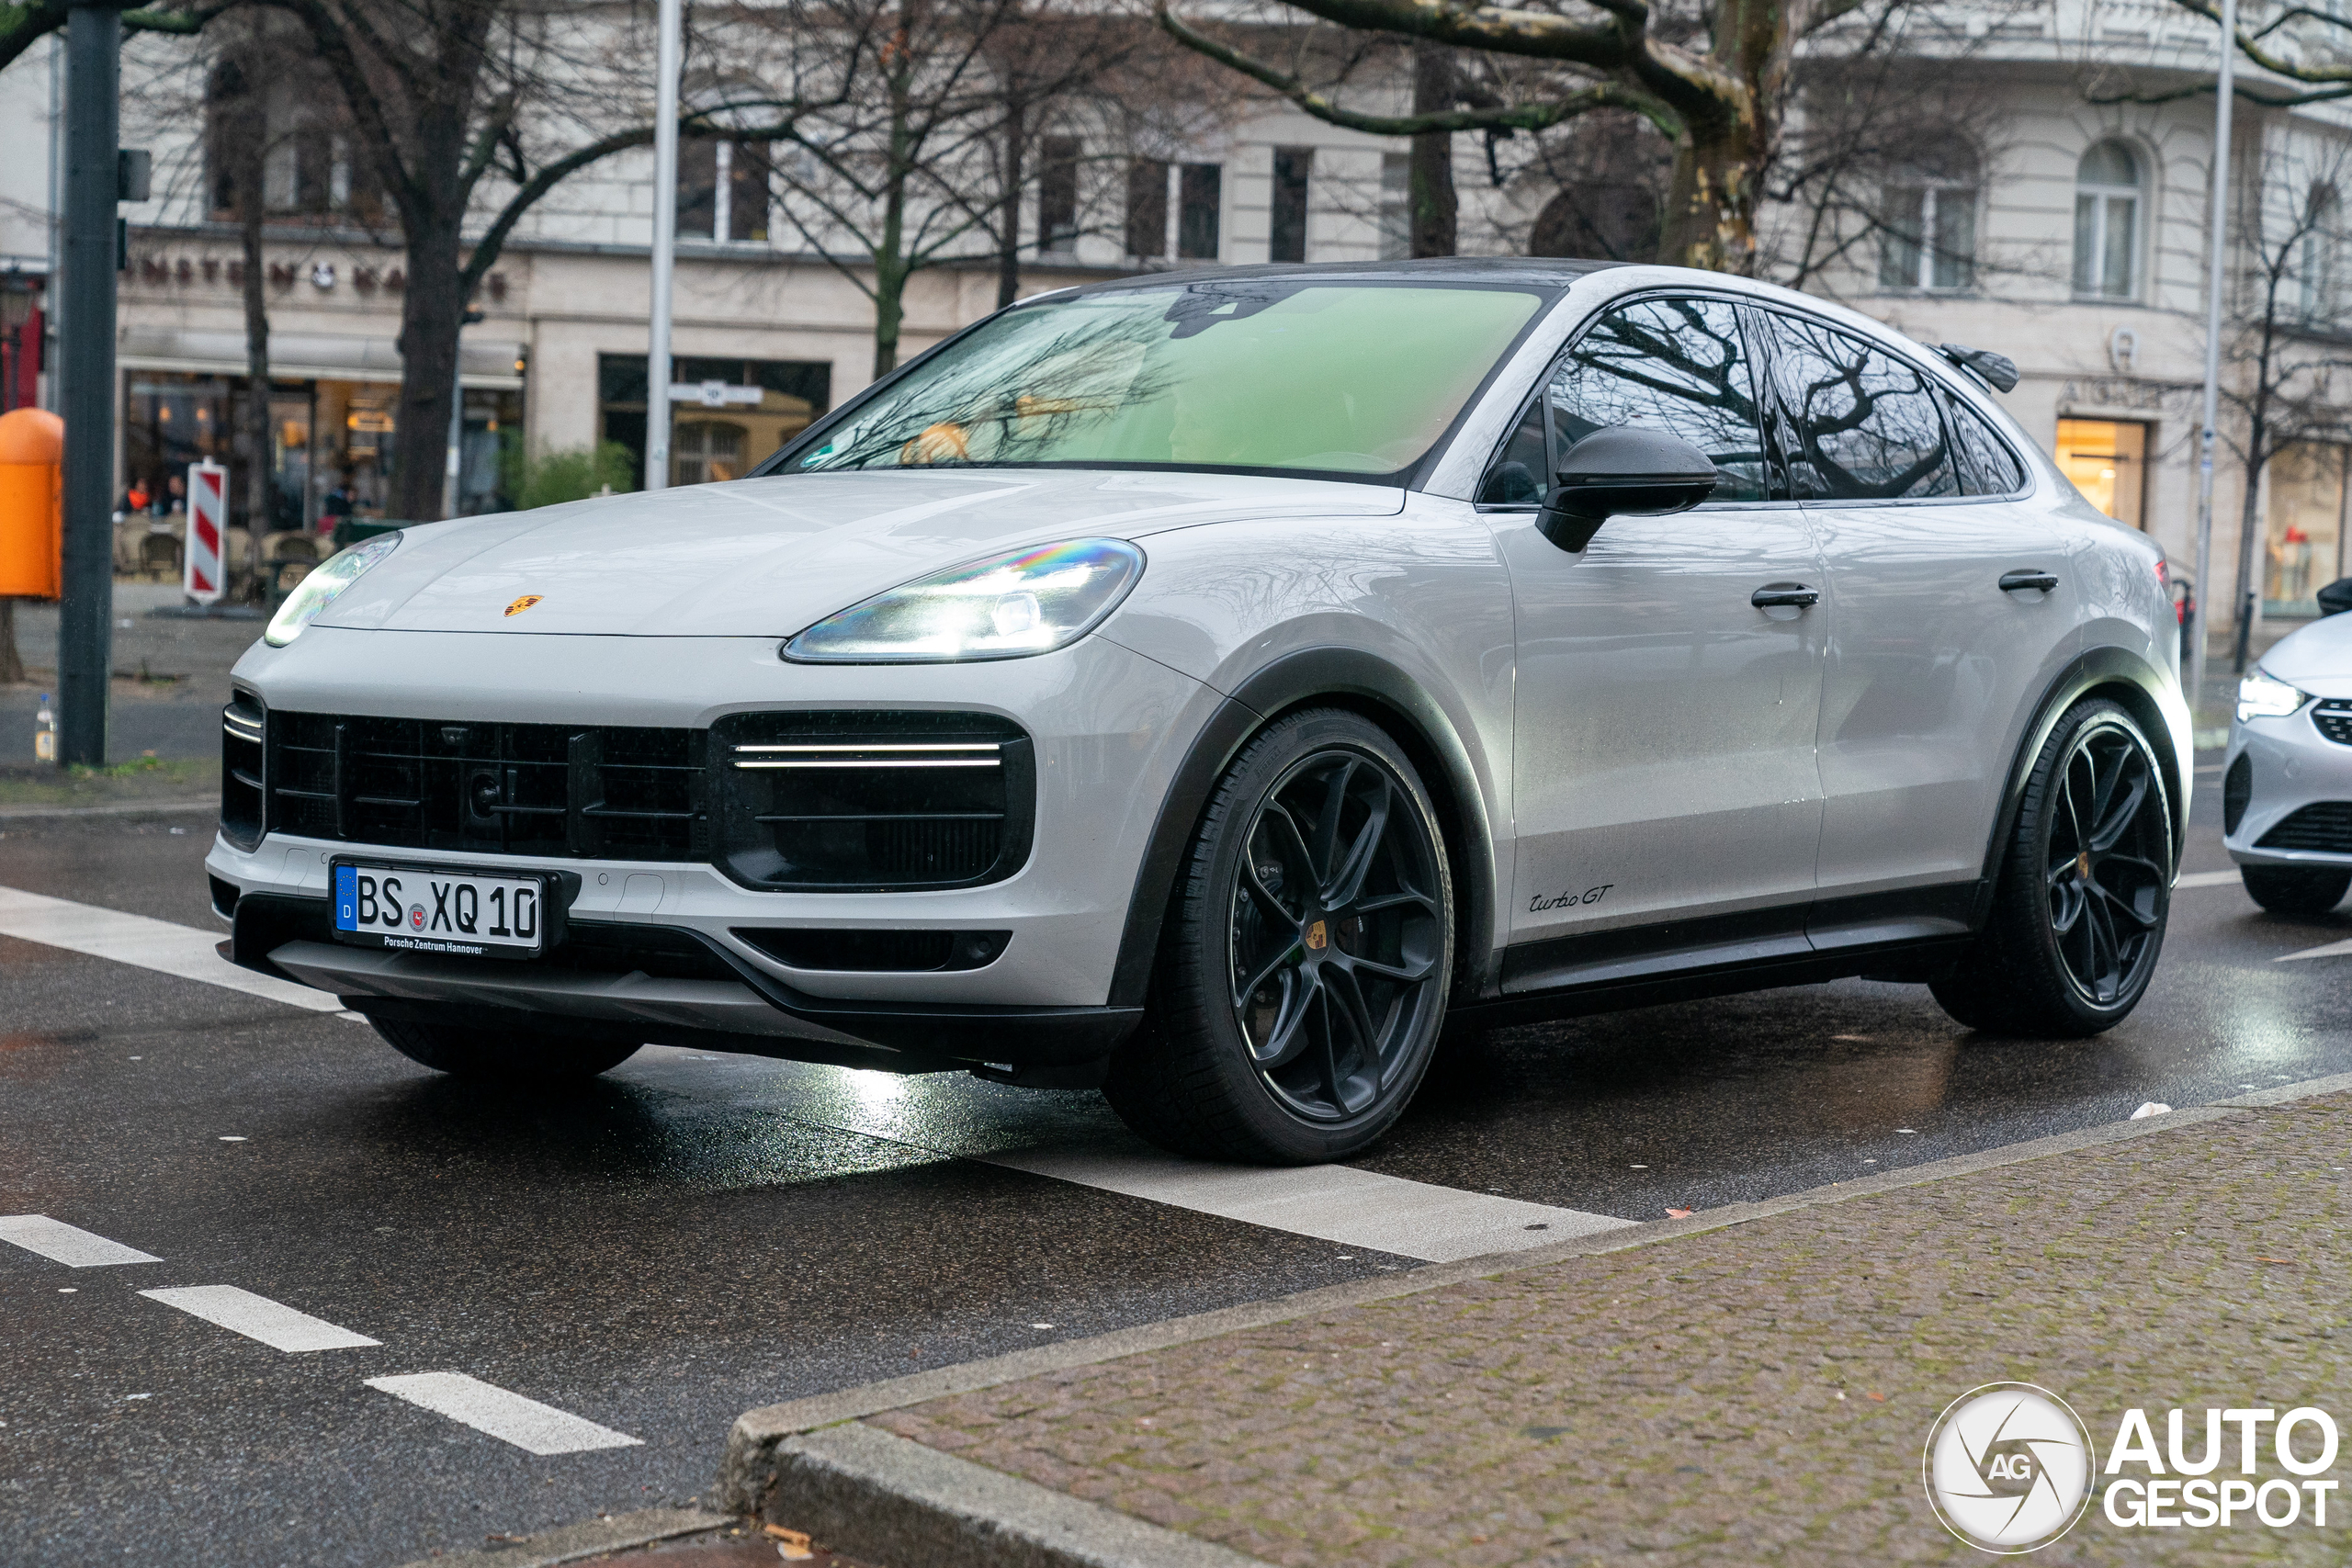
x=1109, y=728
x=2297, y=787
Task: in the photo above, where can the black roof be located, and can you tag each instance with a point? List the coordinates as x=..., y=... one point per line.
x=1546, y=272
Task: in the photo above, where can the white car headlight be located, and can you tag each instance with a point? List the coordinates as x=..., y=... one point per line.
x=327, y=580
x=2259, y=696
x=1005, y=607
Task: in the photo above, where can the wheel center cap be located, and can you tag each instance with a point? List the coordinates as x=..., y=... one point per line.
x=2083, y=865
x=1317, y=936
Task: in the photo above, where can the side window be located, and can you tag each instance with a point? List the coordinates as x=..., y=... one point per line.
x=1680, y=365
x=1520, y=472
x=1861, y=424
x=1987, y=465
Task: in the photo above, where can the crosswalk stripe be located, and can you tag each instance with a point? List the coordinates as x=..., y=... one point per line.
x=274, y=1324
x=1332, y=1202
x=509, y=1417
x=160, y=945
x=61, y=1243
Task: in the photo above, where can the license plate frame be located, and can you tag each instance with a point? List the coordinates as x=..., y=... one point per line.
x=430, y=916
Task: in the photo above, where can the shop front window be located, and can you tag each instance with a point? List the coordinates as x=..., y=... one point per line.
x=2304, y=527
x=2107, y=460
x=765, y=403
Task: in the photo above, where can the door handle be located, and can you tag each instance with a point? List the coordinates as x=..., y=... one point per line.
x=2011, y=581
x=1774, y=595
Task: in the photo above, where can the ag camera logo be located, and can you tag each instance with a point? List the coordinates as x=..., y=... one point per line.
x=2008, y=1467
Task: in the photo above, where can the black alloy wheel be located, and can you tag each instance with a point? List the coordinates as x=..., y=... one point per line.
x=2085, y=887
x=1336, y=934
x=1304, y=967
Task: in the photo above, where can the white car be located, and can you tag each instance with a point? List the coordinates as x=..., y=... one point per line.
x=2287, y=783
x=1208, y=686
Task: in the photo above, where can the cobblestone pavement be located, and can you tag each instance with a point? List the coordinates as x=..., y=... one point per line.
x=1754, y=1394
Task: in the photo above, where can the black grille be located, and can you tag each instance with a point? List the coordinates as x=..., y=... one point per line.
x=844, y=800
x=530, y=789
x=2238, y=792
x=2325, y=825
x=2334, y=718
x=876, y=951
x=242, y=728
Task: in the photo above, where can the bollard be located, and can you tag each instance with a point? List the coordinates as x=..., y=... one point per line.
x=32, y=534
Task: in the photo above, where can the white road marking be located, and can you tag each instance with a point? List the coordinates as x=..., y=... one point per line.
x=61, y=1243
x=161, y=945
x=2328, y=950
x=274, y=1324
x=1335, y=1202
x=2208, y=879
x=509, y=1417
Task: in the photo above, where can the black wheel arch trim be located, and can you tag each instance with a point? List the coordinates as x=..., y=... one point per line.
x=1367, y=684
x=2137, y=686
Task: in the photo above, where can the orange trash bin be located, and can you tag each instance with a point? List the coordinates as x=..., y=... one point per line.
x=32, y=503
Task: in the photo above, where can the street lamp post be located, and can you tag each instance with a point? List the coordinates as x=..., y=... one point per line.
x=2216, y=276
x=666, y=245
x=87, y=390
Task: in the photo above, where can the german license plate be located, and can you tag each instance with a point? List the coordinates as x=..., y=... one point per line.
x=435, y=909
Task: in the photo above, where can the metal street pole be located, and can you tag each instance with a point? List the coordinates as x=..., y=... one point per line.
x=452, y=465
x=2216, y=276
x=93, y=175
x=666, y=245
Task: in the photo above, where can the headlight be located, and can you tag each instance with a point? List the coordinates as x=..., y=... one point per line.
x=318, y=590
x=2259, y=696
x=1005, y=607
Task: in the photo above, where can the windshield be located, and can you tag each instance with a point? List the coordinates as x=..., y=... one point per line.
x=1252, y=373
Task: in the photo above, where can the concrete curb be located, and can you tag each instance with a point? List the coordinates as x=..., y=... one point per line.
x=800, y=1461
x=569, y=1543
x=114, y=808
x=898, y=1502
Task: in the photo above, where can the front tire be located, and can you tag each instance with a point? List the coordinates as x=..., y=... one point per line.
x=2293, y=891
x=1302, y=975
x=486, y=1055
x=2085, y=889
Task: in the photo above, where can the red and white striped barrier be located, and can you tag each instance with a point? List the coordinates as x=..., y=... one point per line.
x=208, y=529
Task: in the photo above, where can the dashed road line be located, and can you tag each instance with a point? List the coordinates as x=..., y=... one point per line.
x=2326, y=950
x=508, y=1417
x=161, y=945
x=2207, y=879
x=1331, y=1202
x=61, y=1243
x=274, y=1324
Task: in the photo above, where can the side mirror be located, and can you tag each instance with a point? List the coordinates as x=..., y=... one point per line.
x=2337, y=597
x=1628, y=471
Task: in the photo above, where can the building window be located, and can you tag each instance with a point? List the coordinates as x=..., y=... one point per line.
x=706, y=451
x=1931, y=229
x=724, y=190
x=1147, y=209
x=1288, y=238
x=2304, y=527
x=302, y=164
x=2107, y=222
x=790, y=394
x=1396, y=206
x=1057, y=194
x=2320, y=264
x=1200, y=201
x=2107, y=460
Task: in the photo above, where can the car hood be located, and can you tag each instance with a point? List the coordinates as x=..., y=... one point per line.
x=767, y=557
x=2317, y=659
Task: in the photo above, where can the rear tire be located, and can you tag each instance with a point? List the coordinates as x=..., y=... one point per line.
x=2294, y=891
x=1302, y=977
x=2085, y=889
x=486, y=1055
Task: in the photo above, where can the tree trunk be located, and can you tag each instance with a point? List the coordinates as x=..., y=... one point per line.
x=1007, y=257
x=889, y=256
x=1434, y=206
x=430, y=313
x=12, y=663
x=890, y=311
x=1710, y=201
x=261, y=499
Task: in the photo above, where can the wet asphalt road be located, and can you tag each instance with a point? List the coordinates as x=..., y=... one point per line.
x=692, y=1235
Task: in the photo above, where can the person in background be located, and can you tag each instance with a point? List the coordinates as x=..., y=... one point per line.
x=139, y=498
x=336, y=505
x=174, y=494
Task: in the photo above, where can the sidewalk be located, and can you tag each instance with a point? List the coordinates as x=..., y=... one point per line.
x=1752, y=1385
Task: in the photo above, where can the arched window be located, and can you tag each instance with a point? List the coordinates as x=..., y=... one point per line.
x=2320, y=267
x=1931, y=225
x=2107, y=222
